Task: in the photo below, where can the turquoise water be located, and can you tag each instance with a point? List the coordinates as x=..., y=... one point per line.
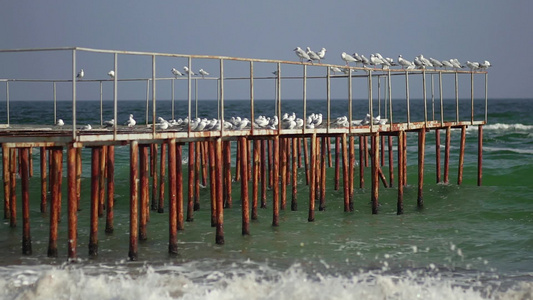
x=468, y=242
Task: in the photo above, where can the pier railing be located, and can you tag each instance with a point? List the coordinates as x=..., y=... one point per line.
x=379, y=84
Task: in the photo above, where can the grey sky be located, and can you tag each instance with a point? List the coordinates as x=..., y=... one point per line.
x=499, y=31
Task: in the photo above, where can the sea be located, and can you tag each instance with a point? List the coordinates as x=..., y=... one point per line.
x=467, y=242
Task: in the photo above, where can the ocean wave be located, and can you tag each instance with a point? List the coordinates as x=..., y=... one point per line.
x=507, y=127
x=256, y=282
x=506, y=149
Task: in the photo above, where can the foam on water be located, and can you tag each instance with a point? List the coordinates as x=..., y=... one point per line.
x=247, y=280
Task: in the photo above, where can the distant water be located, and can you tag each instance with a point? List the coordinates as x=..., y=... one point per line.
x=468, y=242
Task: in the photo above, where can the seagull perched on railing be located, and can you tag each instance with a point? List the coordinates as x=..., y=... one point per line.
x=203, y=73
x=80, y=74
x=472, y=65
x=131, y=121
x=348, y=58
x=301, y=54
x=312, y=55
x=485, y=65
x=436, y=63
x=404, y=62
x=322, y=53
x=176, y=72
x=186, y=69
x=111, y=74
x=446, y=64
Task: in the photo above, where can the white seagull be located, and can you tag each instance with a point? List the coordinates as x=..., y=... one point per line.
x=357, y=58
x=301, y=54
x=131, y=121
x=190, y=72
x=446, y=64
x=176, y=72
x=80, y=74
x=109, y=123
x=111, y=74
x=312, y=55
x=436, y=63
x=485, y=65
x=364, y=60
x=60, y=122
x=348, y=58
x=335, y=70
x=203, y=73
x=322, y=53
x=86, y=127
x=472, y=65
x=404, y=62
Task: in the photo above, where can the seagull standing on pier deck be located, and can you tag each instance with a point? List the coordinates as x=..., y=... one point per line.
x=186, y=69
x=131, y=121
x=203, y=73
x=176, y=72
x=111, y=74
x=301, y=54
x=60, y=122
x=80, y=74
x=109, y=123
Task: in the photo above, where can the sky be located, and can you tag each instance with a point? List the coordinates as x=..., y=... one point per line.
x=494, y=30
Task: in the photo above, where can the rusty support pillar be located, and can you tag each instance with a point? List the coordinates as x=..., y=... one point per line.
x=337, y=164
x=382, y=149
x=78, y=177
x=245, y=204
x=55, y=190
x=101, y=181
x=312, y=179
x=95, y=200
x=480, y=155
x=31, y=161
x=447, y=155
x=255, y=177
x=179, y=185
x=351, y=169
x=375, y=173
x=172, y=195
x=401, y=162
x=391, y=162
x=44, y=192
x=12, y=187
x=345, y=177
x=294, y=198
x=162, y=177
x=205, y=152
x=322, y=205
x=283, y=171
x=306, y=161
x=190, y=199
x=25, y=185
x=270, y=158
x=145, y=190
x=6, y=178
x=72, y=206
x=264, y=173
x=226, y=152
x=237, y=162
x=461, y=155
x=213, y=183
x=110, y=164
x=437, y=155
x=365, y=146
x=405, y=158
x=421, y=154
x=219, y=236
x=361, y=162
x=134, y=200
x=330, y=161
x=275, y=181
x=198, y=171
x=153, y=163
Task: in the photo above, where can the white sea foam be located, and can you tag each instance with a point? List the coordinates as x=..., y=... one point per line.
x=240, y=282
x=507, y=149
x=506, y=127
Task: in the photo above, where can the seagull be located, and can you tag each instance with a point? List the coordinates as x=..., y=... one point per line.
x=364, y=60
x=335, y=70
x=348, y=58
x=111, y=74
x=322, y=53
x=190, y=72
x=176, y=72
x=425, y=61
x=162, y=123
x=109, y=123
x=312, y=55
x=203, y=73
x=404, y=62
x=435, y=63
x=374, y=60
x=485, y=65
x=357, y=58
x=80, y=74
x=131, y=121
x=301, y=54
x=86, y=127
x=418, y=63
x=446, y=64
x=456, y=64
x=60, y=122
x=472, y=65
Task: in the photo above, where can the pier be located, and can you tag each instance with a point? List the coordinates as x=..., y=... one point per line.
x=265, y=158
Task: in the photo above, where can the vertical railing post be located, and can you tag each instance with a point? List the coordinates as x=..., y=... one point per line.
x=350, y=100
x=456, y=98
x=432, y=97
x=370, y=101
x=252, y=114
x=115, y=97
x=189, y=116
x=390, y=99
x=472, y=97
x=153, y=95
x=407, y=99
x=425, y=96
x=55, y=104
x=221, y=112
x=486, y=97
x=279, y=97
x=101, y=105
x=73, y=94
x=7, y=101
x=328, y=95
x=147, y=100
x=172, y=97
x=304, y=97
x=441, y=103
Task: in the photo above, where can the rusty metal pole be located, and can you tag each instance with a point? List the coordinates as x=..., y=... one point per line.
x=172, y=195
x=421, y=154
x=12, y=187
x=391, y=162
x=447, y=155
x=78, y=176
x=134, y=203
x=345, y=180
x=212, y=183
x=109, y=228
x=54, y=203
x=270, y=158
x=312, y=178
x=153, y=163
x=31, y=161
x=375, y=171
x=263, y=173
x=190, y=199
x=480, y=155
x=437, y=154
x=44, y=192
x=361, y=162
x=144, y=182
x=330, y=161
x=219, y=236
x=228, y=201
x=365, y=146
x=25, y=184
x=283, y=171
x=322, y=205
x=461, y=155
x=306, y=161
x=351, y=168
x=237, y=162
x=179, y=185
x=275, y=182
x=95, y=200
x=318, y=172
x=198, y=158
x=255, y=178
x=6, y=179
x=205, y=152
x=294, y=198
x=337, y=164
x=244, y=187
x=101, y=181
x=405, y=158
x=401, y=162
x=162, y=175
x=72, y=243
